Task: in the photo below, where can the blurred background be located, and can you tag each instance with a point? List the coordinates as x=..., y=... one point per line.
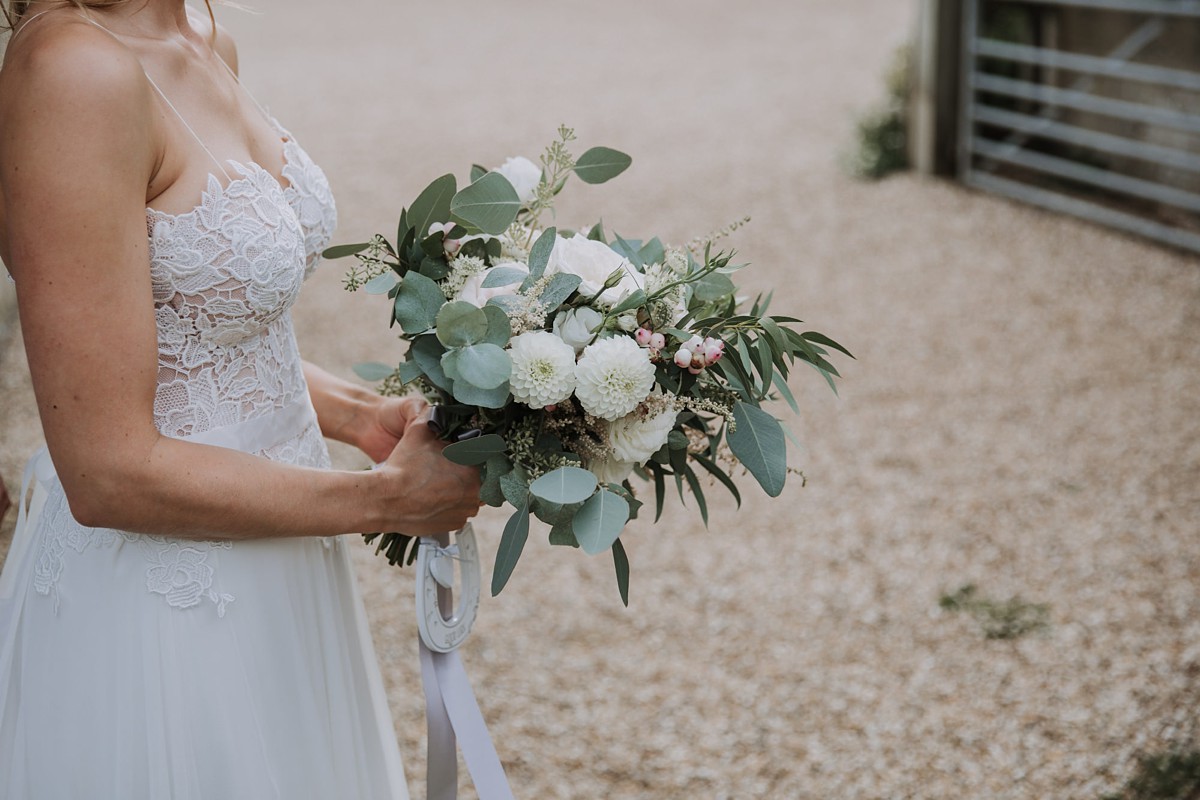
x=988, y=586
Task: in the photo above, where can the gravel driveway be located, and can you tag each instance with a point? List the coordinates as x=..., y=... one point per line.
x=1022, y=417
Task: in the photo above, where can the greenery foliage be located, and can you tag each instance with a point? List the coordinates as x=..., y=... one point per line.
x=881, y=134
x=1007, y=619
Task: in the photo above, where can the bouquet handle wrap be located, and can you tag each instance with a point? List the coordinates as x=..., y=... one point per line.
x=451, y=711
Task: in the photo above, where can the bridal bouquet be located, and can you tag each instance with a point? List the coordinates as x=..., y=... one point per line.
x=565, y=362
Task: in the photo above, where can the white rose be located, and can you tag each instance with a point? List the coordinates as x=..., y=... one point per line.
x=474, y=293
x=610, y=470
x=593, y=262
x=524, y=175
x=634, y=438
x=577, y=326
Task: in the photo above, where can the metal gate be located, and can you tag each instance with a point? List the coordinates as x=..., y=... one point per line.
x=1087, y=107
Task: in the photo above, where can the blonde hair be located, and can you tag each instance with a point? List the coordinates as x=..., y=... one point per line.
x=15, y=9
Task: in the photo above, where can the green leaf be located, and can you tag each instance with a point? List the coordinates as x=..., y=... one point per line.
x=565, y=485
x=599, y=521
x=343, y=250
x=677, y=440
x=372, y=371
x=561, y=535
x=697, y=492
x=720, y=475
x=621, y=562
x=765, y=360
x=713, y=287
x=786, y=392
x=653, y=252
x=488, y=205
x=539, y=254
x=559, y=289
x=821, y=338
x=460, y=323
x=660, y=493
x=410, y=371
x=473, y=452
x=478, y=172
x=758, y=442
x=627, y=249
x=468, y=394
x=417, y=303
x=380, y=284
x=512, y=542
x=503, y=276
x=432, y=205
x=601, y=164
x=499, y=328
x=515, y=487
x=485, y=366
x=427, y=351
x=596, y=234
x=636, y=299
x=494, y=469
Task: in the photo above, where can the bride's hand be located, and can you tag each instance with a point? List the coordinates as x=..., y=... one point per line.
x=433, y=494
x=385, y=423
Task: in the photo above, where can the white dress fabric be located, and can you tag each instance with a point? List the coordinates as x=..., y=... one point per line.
x=135, y=666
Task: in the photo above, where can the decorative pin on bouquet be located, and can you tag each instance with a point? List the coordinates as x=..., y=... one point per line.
x=574, y=362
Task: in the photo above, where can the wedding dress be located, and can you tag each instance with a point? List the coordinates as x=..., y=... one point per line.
x=141, y=666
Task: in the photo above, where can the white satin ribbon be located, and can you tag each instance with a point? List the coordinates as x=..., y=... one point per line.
x=453, y=716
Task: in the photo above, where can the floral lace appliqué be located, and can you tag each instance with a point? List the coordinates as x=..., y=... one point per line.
x=224, y=277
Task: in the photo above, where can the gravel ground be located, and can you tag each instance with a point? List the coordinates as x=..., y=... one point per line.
x=1022, y=417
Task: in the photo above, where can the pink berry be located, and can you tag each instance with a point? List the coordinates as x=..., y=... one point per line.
x=643, y=336
x=695, y=370
x=658, y=341
x=683, y=357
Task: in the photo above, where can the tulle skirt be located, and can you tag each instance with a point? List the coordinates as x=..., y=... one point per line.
x=142, y=667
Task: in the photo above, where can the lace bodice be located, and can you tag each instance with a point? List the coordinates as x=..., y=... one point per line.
x=224, y=276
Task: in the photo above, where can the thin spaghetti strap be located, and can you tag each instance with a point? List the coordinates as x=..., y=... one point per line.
x=270, y=120
x=26, y=24
x=166, y=100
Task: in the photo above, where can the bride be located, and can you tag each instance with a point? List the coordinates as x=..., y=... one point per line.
x=178, y=615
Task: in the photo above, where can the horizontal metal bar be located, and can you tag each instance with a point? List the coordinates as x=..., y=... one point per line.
x=1082, y=173
x=1084, y=101
x=1053, y=201
x=1091, y=65
x=1103, y=142
x=1176, y=8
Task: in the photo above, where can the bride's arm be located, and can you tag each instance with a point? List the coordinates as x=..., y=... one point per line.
x=351, y=414
x=78, y=146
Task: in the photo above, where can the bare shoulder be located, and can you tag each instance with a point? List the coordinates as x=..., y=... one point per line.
x=62, y=69
x=222, y=40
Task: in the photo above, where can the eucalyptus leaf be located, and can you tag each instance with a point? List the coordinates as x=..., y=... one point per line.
x=636, y=299
x=712, y=287
x=621, y=563
x=410, y=371
x=759, y=443
x=559, y=289
x=600, y=164
x=499, y=328
x=599, y=521
x=503, y=276
x=512, y=542
x=470, y=395
x=565, y=485
x=515, y=487
x=653, y=252
x=478, y=172
x=485, y=366
x=561, y=535
x=432, y=205
x=427, y=351
x=343, y=250
x=494, y=469
x=539, y=254
x=473, y=452
x=628, y=249
x=372, y=371
x=380, y=284
x=489, y=205
x=460, y=323
x=417, y=303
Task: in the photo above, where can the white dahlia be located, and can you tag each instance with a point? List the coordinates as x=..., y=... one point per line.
x=635, y=437
x=610, y=470
x=613, y=376
x=543, y=369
